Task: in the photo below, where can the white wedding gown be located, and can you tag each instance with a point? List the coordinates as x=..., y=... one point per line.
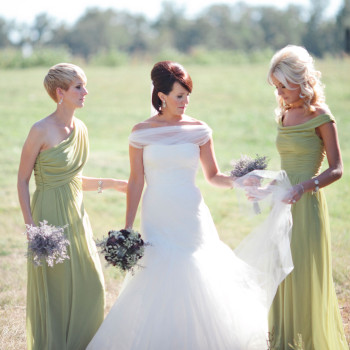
x=193, y=292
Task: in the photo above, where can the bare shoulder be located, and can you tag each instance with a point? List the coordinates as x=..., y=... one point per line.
x=39, y=128
x=39, y=133
x=152, y=122
x=137, y=126
x=322, y=110
x=194, y=121
x=143, y=125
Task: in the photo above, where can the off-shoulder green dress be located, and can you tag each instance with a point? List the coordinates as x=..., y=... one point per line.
x=65, y=303
x=306, y=302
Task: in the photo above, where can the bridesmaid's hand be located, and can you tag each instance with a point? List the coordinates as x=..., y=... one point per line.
x=30, y=223
x=294, y=194
x=121, y=185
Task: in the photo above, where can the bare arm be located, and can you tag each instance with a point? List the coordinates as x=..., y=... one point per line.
x=211, y=169
x=328, y=133
x=30, y=151
x=92, y=184
x=334, y=172
x=135, y=185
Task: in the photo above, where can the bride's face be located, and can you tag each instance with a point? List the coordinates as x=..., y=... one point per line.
x=177, y=100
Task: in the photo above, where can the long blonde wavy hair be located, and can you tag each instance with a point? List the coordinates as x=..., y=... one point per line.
x=293, y=64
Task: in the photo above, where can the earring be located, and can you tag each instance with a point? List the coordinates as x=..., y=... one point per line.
x=60, y=101
x=163, y=104
x=301, y=96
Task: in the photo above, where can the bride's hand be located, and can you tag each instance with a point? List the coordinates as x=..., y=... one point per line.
x=256, y=193
x=247, y=181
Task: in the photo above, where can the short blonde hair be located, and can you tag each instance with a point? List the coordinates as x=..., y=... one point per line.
x=61, y=76
x=293, y=64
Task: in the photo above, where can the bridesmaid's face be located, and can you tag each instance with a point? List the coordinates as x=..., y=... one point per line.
x=75, y=95
x=291, y=94
x=177, y=100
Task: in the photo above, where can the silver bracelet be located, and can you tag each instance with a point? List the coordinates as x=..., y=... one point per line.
x=316, y=182
x=99, y=188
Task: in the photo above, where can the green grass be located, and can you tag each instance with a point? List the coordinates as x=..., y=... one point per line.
x=235, y=101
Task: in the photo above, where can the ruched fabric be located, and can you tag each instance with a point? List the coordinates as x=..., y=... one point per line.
x=306, y=302
x=65, y=303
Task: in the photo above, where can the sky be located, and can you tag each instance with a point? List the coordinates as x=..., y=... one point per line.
x=70, y=10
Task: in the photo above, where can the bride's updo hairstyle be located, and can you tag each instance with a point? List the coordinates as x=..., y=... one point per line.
x=164, y=74
x=293, y=64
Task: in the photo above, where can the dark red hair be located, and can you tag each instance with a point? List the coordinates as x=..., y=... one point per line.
x=164, y=75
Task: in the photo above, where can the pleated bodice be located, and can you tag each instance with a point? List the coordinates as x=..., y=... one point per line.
x=301, y=150
x=60, y=164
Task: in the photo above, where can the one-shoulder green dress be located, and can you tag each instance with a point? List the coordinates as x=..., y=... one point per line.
x=306, y=302
x=65, y=303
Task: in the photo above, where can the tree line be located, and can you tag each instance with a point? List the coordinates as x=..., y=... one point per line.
x=219, y=31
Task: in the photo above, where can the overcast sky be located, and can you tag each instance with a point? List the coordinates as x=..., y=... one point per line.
x=70, y=10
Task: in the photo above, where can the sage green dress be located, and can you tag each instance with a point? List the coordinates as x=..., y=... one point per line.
x=65, y=303
x=306, y=302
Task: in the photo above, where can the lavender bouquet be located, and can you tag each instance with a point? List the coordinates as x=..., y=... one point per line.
x=46, y=243
x=122, y=248
x=245, y=165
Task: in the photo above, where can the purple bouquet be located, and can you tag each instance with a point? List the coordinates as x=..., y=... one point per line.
x=46, y=243
x=245, y=165
x=122, y=248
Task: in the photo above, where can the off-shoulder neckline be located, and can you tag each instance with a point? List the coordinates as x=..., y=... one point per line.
x=297, y=125
x=170, y=126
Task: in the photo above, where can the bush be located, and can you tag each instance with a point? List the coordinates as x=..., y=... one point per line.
x=43, y=57
x=170, y=54
x=10, y=58
x=203, y=56
x=111, y=58
x=14, y=58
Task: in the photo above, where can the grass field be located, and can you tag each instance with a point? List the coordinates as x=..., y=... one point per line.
x=235, y=101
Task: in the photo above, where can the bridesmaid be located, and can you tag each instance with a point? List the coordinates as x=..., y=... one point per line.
x=306, y=302
x=65, y=303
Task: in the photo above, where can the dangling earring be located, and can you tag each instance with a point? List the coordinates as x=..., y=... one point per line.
x=60, y=101
x=163, y=104
x=301, y=96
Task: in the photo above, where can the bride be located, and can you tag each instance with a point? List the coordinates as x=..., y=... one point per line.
x=194, y=292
